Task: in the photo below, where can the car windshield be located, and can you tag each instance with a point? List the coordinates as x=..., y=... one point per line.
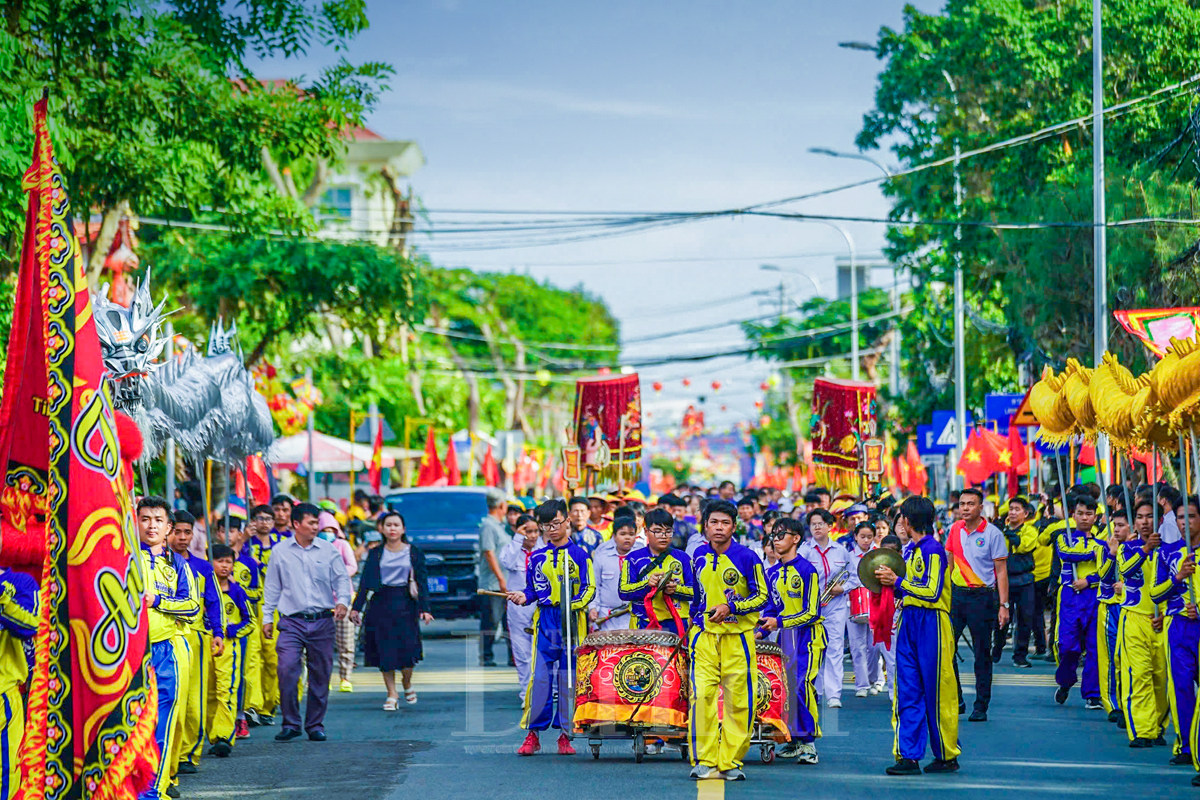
x=425, y=511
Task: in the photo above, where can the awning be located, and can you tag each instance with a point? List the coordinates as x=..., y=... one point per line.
x=331, y=454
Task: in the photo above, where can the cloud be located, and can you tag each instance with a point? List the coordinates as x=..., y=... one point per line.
x=481, y=98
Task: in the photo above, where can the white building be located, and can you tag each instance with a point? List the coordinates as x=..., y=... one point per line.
x=359, y=201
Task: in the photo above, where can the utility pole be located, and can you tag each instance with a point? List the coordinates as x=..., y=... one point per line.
x=960, y=366
x=1099, y=215
x=312, y=476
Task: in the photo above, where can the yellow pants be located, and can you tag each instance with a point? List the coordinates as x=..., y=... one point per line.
x=193, y=720
x=12, y=706
x=184, y=678
x=1143, y=677
x=252, y=675
x=721, y=661
x=1108, y=659
x=268, y=672
x=226, y=685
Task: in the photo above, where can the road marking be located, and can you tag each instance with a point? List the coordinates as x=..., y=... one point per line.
x=710, y=789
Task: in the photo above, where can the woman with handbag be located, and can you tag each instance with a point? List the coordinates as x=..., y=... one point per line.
x=394, y=583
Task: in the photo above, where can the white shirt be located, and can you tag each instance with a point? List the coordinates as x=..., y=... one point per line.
x=1168, y=529
x=304, y=580
x=829, y=561
x=607, y=566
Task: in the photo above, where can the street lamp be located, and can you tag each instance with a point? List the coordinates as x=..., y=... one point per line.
x=894, y=350
x=805, y=275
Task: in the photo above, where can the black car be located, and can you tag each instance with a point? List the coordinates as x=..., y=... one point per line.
x=444, y=523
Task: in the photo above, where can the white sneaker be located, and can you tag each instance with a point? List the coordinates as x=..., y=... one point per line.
x=879, y=684
x=860, y=693
x=702, y=772
x=808, y=754
x=874, y=690
x=653, y=748
x=834, y=702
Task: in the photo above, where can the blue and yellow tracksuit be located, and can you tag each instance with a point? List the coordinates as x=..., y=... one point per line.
x=546, y=693
x=1108, y=628
x=199, y=638
x=247, y=573
x=925, y=706
x=18, y=622
x=794, y=602
x=723, y=656
x=170, y=613
x=1182, y=643
x=1143, y=658
x=636, y=570
x=1081, y=556
x=227, y=687
x=268, y=661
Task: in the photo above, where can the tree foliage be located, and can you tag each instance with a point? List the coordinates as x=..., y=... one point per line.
x=980, y=72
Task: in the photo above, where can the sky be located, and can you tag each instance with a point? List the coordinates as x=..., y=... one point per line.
x=636, y=106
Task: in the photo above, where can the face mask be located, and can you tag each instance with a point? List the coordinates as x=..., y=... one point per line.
x=327, y=535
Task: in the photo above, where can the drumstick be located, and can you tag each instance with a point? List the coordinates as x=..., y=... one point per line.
x=620, y=611
x=490, y=593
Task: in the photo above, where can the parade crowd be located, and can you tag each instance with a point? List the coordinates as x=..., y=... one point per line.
x=1105, y=592
x=241, y=629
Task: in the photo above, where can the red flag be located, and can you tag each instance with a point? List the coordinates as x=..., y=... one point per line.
x=256, y=474
x=978, y=459
x=903, y=472
x=453, y=476
x=91, y=701
x=918, y=477
x=1020, y=460
x=431, y=468
x=375, y=470
x=491, y=473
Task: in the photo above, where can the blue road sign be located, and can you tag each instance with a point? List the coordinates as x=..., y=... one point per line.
x=945, y=431
x=999, y=408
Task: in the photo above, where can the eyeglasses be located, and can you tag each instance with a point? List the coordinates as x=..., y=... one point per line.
x=658, y=530
x=546, y=527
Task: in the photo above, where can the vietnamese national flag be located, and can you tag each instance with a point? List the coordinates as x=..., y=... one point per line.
x=375, y=470
x=491, y=473
x=918, y=475
x=431, y=467
x=978, y=460
x=903, y=473
x=453, y=476
x=91, y=702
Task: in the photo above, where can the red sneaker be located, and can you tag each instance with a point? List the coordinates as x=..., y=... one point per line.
x=242, y=729
x=564, y=746
x=530, y=746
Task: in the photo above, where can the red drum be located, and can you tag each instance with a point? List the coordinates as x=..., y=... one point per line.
x=860, y=605
x=616, y=670
x=769, y=691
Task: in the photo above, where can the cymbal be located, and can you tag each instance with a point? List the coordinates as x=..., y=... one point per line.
x=879, y=557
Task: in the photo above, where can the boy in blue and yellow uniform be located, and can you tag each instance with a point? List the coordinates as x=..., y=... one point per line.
x=171, y=607
x=926, y=700
x=18, y=622
x=729, y=589
x=204, y=638
x=229, y=666
x=660, y=568
x=1109, y=595
x=1081, y=555
x=546, y=692
x=1178, y=588
x=248, y=574
x=261, y=540
x=794, y=608
x=1143, y=665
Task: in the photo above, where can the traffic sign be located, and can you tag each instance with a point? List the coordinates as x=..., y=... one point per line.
x=999, y=408
x=945, y=430
x=925, y=440
x=1023, y=417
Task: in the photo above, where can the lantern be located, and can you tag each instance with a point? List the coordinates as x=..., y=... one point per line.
x=764, y=386
x=658, y=387
x=716, y=386
x=687, y=382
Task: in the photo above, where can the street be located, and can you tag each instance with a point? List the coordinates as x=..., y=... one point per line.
x=460, y=738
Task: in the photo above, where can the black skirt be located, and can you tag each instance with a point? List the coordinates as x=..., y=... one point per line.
x=391, y=636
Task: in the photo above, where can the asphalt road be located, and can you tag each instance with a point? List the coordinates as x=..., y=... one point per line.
x=459, y=741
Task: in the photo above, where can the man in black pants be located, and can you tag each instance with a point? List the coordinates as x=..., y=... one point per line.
x=979, y=595
x=1022, y=537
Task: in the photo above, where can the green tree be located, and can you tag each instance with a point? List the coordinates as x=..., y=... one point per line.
x=983, y=71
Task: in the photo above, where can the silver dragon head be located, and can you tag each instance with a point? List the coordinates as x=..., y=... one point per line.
x=220, y=338
x=130, y=338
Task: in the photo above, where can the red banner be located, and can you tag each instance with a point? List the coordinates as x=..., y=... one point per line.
x=841, y=418
x=600, y=404
x=91, y=713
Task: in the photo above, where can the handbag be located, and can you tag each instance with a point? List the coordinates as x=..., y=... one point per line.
x=413, y=590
